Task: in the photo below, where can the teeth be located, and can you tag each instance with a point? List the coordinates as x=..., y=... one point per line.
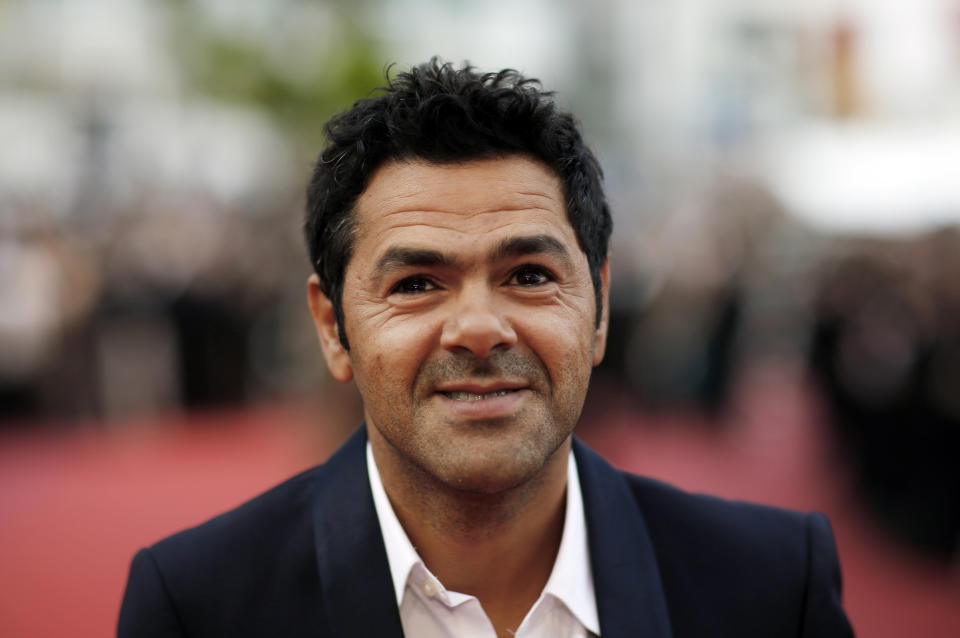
x=470, y=396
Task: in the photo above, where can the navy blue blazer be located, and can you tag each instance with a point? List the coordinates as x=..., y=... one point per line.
x=307, y=559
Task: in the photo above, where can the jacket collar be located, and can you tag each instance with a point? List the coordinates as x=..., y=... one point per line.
x=630, y=596
x=357, y=591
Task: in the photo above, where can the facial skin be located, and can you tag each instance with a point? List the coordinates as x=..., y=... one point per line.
x=471, y=318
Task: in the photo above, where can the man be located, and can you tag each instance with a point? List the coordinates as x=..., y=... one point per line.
x=459, y=230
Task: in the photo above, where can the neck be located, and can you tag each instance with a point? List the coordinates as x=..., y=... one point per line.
x=498, y=547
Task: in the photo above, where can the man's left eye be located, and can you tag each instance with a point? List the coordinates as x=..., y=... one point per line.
x=530, y=277
x=413, y=285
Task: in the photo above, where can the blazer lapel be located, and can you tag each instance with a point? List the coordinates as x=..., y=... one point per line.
x=357, y=592
x=630, y=598
x=356, y=589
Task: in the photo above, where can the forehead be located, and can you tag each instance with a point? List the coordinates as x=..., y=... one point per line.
x=417, y=201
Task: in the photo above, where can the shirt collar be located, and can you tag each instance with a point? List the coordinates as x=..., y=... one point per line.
x=401, y=555
x=570, y=581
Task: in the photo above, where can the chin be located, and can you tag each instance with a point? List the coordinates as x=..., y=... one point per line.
x=490, y=474
x=484, y=484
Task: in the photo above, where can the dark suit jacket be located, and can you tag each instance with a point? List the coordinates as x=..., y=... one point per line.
x=307, y=559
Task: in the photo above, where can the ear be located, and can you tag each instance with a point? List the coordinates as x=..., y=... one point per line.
x=600, y=338
x=338, y=358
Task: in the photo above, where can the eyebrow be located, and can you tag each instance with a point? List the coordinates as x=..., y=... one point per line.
x=401, y=257
x=529, y=245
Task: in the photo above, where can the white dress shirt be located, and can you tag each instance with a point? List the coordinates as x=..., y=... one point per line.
x=567, y=607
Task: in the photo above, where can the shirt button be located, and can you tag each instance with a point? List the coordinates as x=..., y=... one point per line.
x=429, y=588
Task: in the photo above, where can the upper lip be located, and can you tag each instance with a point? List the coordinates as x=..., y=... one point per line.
x=481, y=388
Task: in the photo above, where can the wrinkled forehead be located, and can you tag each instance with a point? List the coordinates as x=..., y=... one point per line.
x=475, y=197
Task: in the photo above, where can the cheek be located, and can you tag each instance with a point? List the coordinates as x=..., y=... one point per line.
x=565, y=345
x=389, y=354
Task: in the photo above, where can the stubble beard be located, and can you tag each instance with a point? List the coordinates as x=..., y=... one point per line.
x=482, y=457
x=474, y=479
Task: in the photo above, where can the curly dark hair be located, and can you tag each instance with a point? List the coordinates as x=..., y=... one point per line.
x=442, y=114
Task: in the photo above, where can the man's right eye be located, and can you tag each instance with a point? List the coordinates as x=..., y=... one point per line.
x=413, y=285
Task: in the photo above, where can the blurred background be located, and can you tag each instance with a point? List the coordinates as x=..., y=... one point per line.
x=785, y=313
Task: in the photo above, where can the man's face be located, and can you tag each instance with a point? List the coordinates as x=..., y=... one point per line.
x=470, y=313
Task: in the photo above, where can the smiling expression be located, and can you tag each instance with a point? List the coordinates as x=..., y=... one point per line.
x=470, y=312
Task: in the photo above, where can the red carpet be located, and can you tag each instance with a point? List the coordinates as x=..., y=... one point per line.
x=75, y=507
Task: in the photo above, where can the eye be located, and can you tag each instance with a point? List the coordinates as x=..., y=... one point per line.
x=528, y=276
x=412, y=286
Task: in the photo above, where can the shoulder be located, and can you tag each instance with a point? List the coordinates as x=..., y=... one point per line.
x=670, y=511
x=724, y=568
x=232, y=574
x=269, y=517
x=264, y=542
x=277, y=519
x=675, y=517
x=742, y=564
x=697, y=533
x=252, y=570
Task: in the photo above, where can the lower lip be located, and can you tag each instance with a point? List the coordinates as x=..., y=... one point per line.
x=489, y=408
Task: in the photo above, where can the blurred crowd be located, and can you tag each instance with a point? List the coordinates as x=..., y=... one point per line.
x=155, y=154
x=886, y=349
x=189, y=304
x=174, y=306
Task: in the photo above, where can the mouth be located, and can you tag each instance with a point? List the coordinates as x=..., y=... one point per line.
x=469, y=402
x=462, y=395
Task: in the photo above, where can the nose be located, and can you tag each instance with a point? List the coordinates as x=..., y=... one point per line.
x=476, y=325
